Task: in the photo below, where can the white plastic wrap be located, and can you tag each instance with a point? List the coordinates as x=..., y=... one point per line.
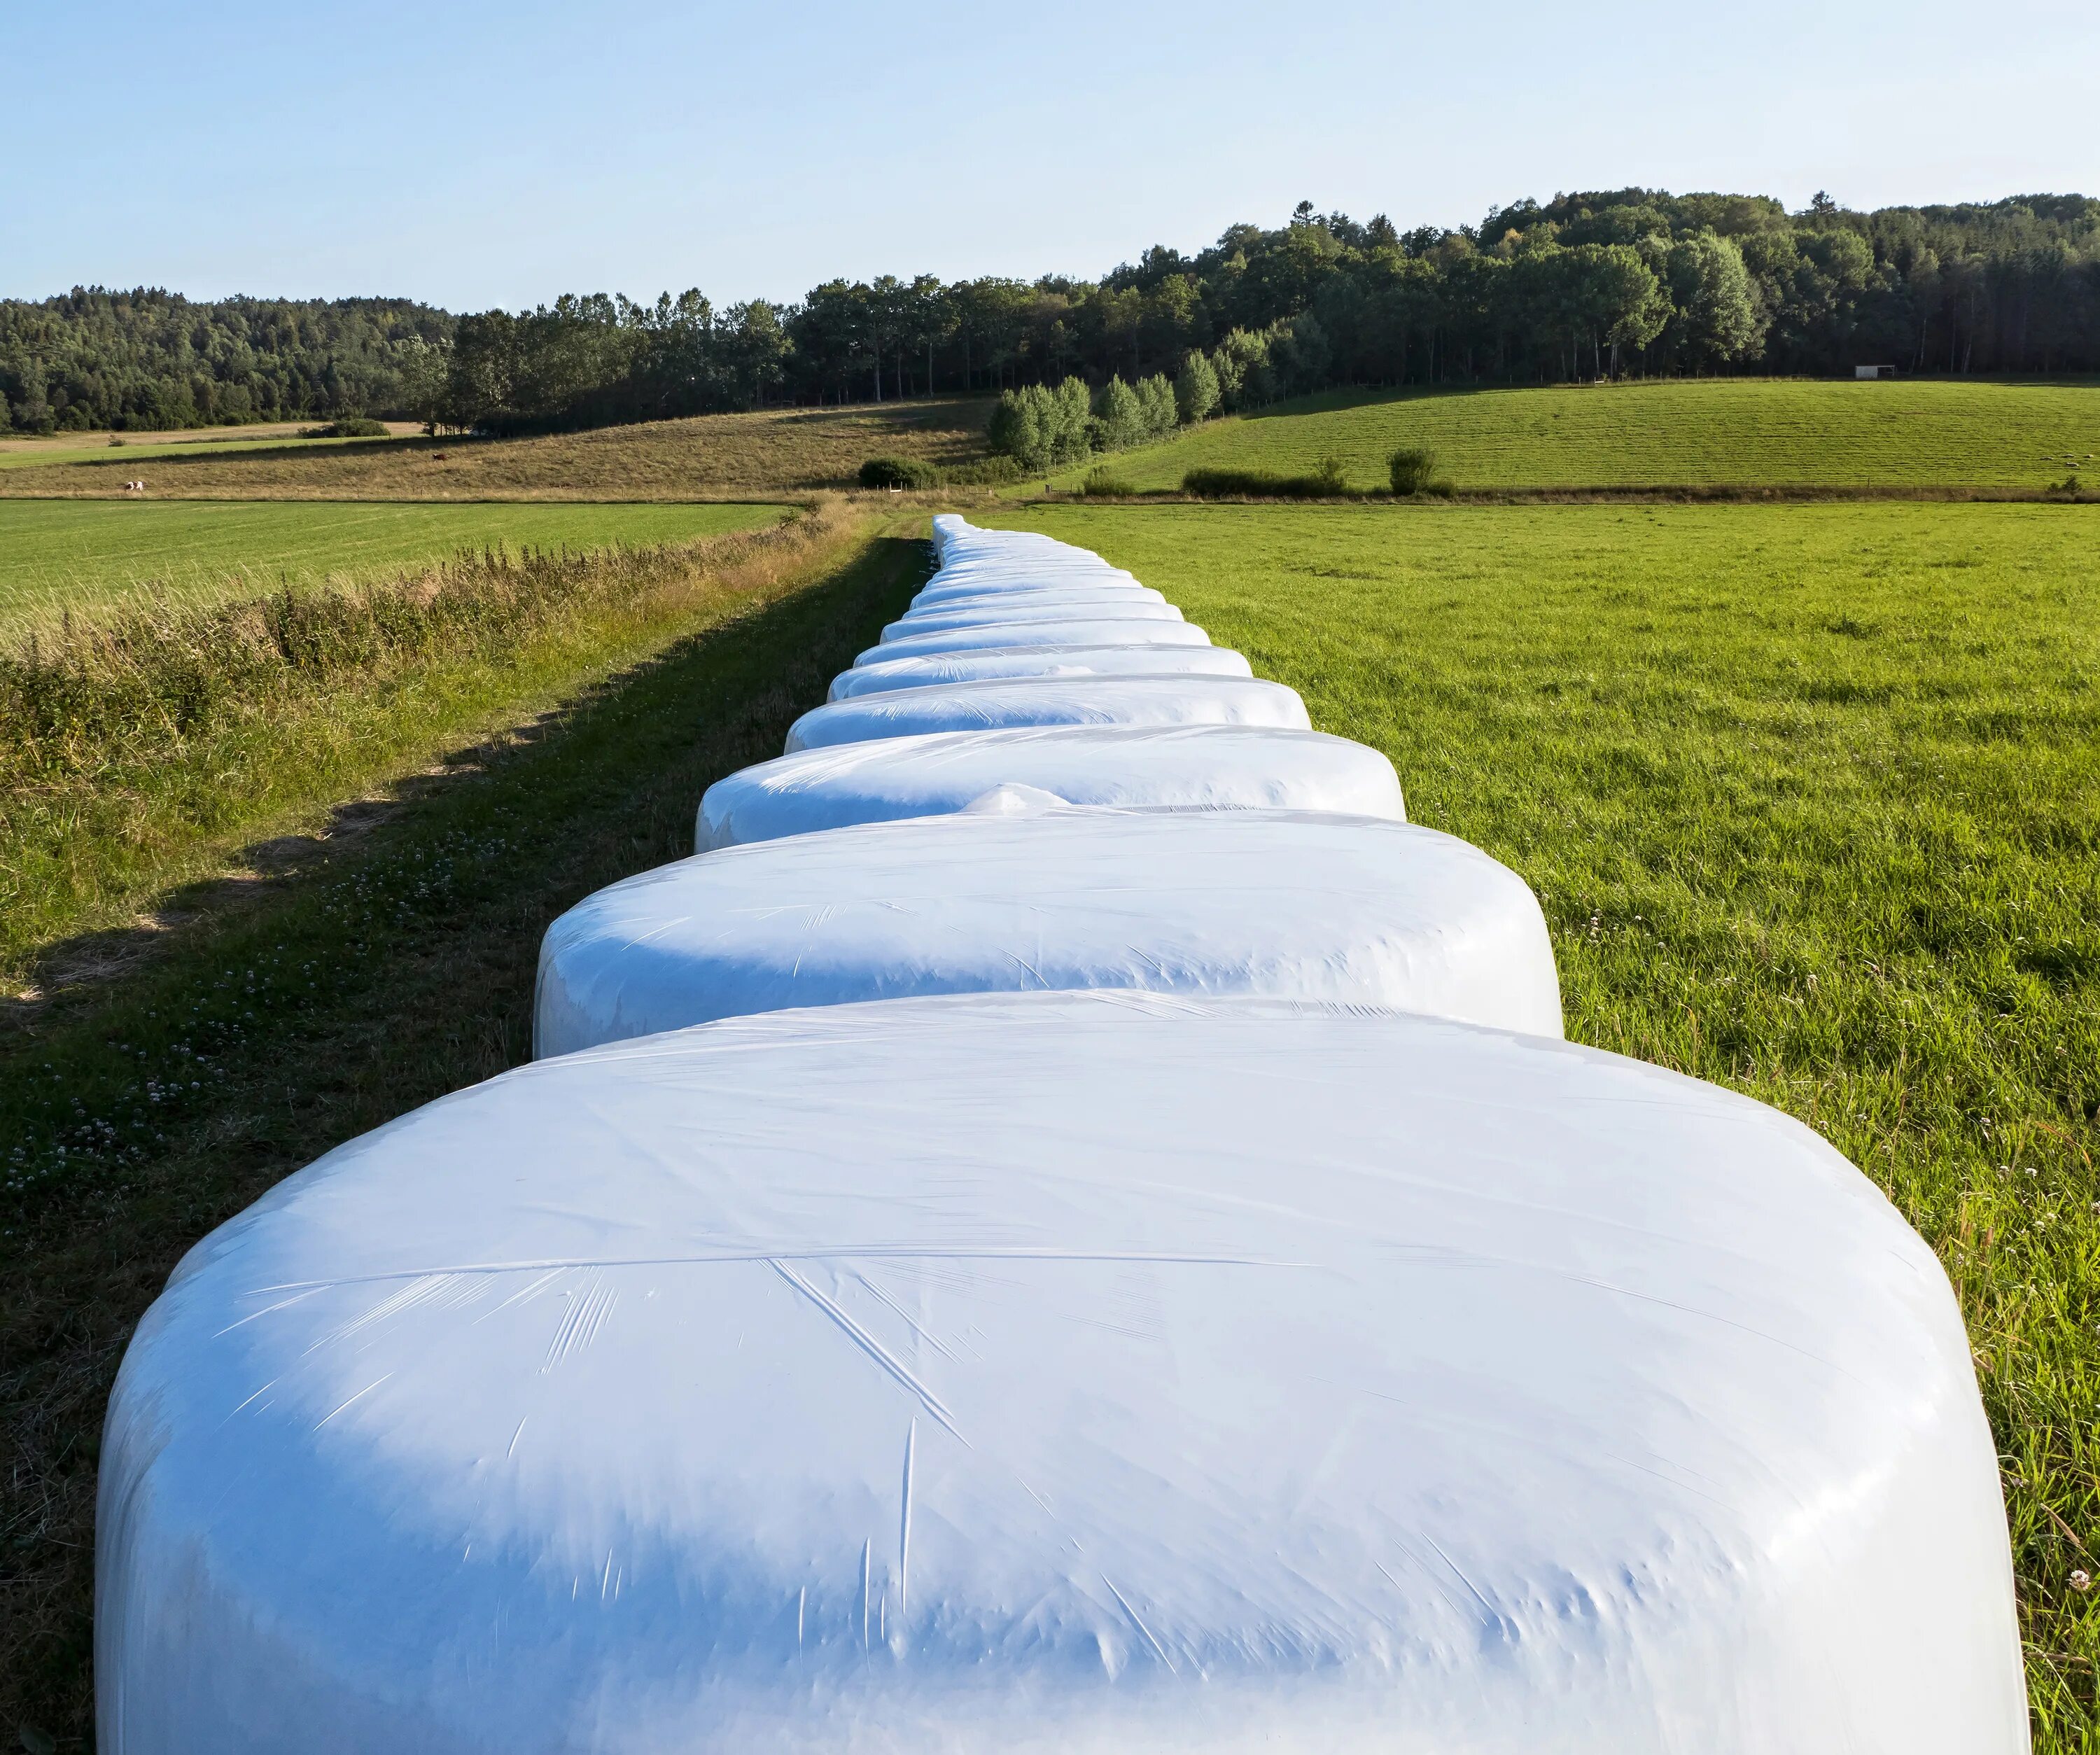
x=986, y=664
x=999, y=612
x=1059, y=631
x=937, y=595
x=1057, y=599
x=1017, y=893
x=1051, y=701
x=1068, y=1373
x=1046, y=572
x=1188, y=768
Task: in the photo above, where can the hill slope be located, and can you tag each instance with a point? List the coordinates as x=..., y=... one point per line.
x=707, y=457
x=1759, y=432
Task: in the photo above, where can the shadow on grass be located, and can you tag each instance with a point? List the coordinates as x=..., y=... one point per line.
x=347, y=984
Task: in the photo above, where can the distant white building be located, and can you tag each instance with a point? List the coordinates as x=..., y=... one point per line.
x=1873, y=372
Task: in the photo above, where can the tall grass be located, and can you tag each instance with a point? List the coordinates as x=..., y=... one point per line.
x=1328, y=481
x=137, y=750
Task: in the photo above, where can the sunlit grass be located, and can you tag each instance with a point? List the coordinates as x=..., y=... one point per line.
x=1751, y=432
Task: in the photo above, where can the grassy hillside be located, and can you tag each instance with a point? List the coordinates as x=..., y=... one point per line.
x=84, y=555
x=709, y=457
x=1703, y=432
x=1811, y=796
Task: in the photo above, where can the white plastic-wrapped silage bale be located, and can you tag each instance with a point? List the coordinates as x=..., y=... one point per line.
x=1017, y=893
x=1185, y=768
x=983, y=664
x=999, y=615
x=1151, y=700
x=1074, y=1373
x=1056, y=631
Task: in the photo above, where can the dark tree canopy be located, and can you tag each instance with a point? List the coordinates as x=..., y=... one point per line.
x=148, y=359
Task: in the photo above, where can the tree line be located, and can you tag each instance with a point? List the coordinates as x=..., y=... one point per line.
x=1588, y=286
x=148, y=359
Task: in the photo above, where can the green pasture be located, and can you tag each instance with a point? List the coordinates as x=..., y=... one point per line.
x=1749, y=432
x=1811, y=796
x=82, y=554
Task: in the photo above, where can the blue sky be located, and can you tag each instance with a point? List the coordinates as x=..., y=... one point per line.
x=475, y=154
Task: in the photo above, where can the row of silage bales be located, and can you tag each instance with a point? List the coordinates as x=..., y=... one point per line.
x=1260, y=1360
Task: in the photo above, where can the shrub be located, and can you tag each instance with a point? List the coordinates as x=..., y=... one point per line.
x=1118, y=418
x=990, y=472
x=1299, y=355
x=1326, y=483
x=352, y=426
x=1155, y=405
x=901, y=472
x=1414, y=467
x=1195, y=390
x=1247, y=379
x=1040, y=428
x=1101, y=483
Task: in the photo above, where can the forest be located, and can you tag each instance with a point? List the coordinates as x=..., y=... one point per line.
x=1633, y=281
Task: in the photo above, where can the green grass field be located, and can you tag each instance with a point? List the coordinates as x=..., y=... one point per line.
x=1746, y=432
x=1811, y=795
x=82, y=555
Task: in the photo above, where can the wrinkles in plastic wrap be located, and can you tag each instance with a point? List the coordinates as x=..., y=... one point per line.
x=990, y=663
x=1051, y=701
x=938, y=595
x=1018, y=892
x=1176, y=768
x=960, y=586
x=989, y=614
x=1074, y=1373
x=1054, y=630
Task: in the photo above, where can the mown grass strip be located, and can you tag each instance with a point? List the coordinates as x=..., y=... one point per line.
x=81, y=557
x=398, y=967
x=1811, y=797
